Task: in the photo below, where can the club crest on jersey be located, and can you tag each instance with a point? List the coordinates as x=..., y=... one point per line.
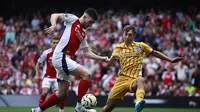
x=137, y=49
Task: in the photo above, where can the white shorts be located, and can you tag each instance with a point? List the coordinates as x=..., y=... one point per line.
x=63, y=65
x=48, y=83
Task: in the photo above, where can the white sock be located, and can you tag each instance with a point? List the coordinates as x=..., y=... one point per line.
x=78, y=106
x=38, y=108
x=61, y=110
x=88, y=110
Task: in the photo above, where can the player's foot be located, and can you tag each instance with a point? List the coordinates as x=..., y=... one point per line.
x=78, y=107
x=90, y=110
x=139, y=106
x=61, y=110
x=82, y=109
x=36, y=110
x=87, y=110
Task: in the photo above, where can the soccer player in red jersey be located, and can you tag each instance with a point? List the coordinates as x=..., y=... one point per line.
x=73, y=38
x=49, y=73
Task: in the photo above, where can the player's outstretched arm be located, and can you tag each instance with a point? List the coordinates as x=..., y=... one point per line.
x=164, y=57
x=113, y=59
x=89, y=54
x=37, y=70
x=54, y=18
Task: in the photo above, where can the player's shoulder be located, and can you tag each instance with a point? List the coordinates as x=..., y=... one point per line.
x=139, y=43
x=70, y=17
x=47, y=51
x=120, y=45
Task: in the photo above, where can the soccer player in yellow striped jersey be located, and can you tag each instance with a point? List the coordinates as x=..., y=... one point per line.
x=130, y=56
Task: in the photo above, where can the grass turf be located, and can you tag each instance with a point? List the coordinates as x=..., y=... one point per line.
x=71, y=109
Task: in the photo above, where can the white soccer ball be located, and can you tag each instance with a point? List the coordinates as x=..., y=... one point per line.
x=89, y=101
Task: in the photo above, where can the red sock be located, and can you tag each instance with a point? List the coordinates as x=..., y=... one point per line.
x=42, y=99
x=51, y=101
x=83, y=88
x=61, y=104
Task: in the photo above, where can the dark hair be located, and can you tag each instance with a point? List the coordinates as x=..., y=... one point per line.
x=127, y=28
x=92, y=13
x=55, y=38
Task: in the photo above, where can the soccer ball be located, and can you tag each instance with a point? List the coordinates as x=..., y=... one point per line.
x=89, y=101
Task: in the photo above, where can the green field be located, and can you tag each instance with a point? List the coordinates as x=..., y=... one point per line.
x=70, y=109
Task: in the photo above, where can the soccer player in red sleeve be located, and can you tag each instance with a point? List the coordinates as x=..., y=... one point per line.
x=49, y=73
x=73, y=38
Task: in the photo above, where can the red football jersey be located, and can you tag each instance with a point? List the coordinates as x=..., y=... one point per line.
x=46, y=58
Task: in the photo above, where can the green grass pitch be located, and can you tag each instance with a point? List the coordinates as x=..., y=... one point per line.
x=71, y=109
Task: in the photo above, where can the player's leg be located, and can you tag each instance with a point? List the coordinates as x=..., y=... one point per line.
x=118, y=91
x=60, y=103
x=110, y=105
x=84, y=84
x=43, y=96
x=63, y=79
x=70, y=66
x=81, y=92
x=62, y=74
x=45, y=89
x=58, y=96
x=139, y=86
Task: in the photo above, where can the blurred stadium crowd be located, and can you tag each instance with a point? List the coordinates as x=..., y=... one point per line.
x=22, y=40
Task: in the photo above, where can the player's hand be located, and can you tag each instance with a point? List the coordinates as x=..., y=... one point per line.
x=118, y=55
x=50, y=30
x=177, y=59
x=106, y=59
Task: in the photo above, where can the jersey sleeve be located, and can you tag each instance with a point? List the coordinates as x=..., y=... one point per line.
x=67, y=18
x=84, y=44
x=42, y=57
x=146, y=48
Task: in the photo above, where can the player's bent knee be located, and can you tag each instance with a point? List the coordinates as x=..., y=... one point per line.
x=61, y=94
x=86, y=77
x=45, y=91
x=141, y=83
x=140, y=80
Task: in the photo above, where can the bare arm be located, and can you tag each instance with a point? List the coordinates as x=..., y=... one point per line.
x=54, y=18
x=91, y=55
x=37, y=70
x=164, y=57
x=160, y=55
x=111, y=61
